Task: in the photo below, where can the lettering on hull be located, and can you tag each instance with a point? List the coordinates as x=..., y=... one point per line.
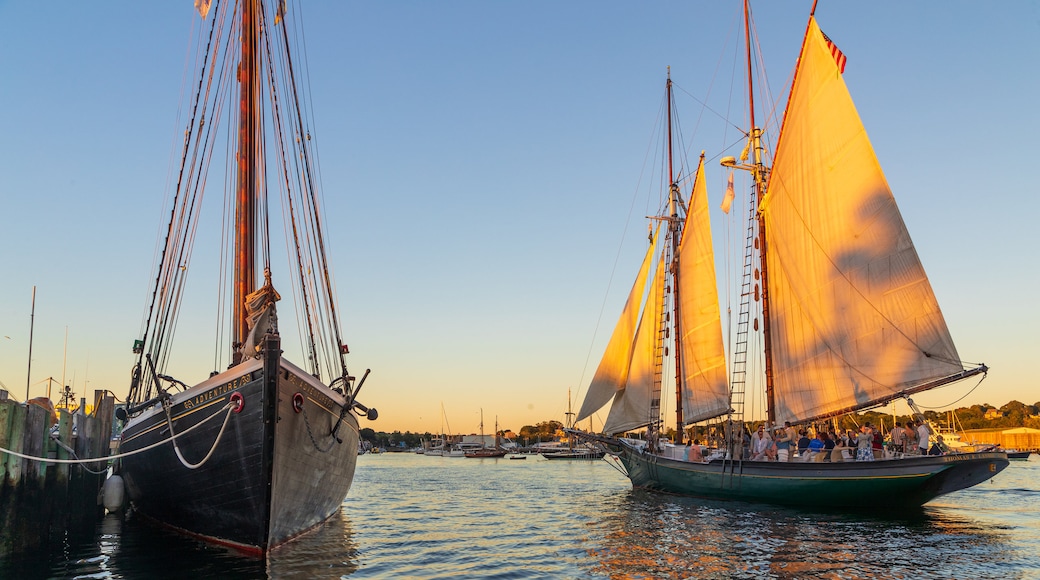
x=232, y=385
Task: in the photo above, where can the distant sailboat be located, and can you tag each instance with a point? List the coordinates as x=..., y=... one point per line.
x=580, y=451
x=263, y=450
x=483, y=450
x=445, y=445
x=850, y=321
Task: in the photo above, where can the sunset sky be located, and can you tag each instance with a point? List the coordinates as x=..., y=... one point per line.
x=486, y=169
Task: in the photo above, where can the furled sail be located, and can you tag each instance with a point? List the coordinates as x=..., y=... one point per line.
x=261, y=316
x=612, y=373
x=632, y=404
x=853, y=317
x=703, y=360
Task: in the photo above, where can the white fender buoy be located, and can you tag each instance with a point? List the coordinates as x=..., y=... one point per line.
x=112, y=493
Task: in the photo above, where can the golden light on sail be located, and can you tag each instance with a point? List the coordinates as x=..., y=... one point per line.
x=612, y=374
x=703, y=357
x=853, y=316
x=632, y=403
x=631, y=369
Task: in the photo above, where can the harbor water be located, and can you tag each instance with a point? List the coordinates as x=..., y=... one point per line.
x=411, y=516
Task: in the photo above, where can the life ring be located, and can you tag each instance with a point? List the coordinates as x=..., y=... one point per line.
x=239, y=401
x=297, y=402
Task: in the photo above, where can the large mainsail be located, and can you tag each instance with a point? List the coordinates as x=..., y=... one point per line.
x=703, y=357
x=612, y=374
x=854, y=320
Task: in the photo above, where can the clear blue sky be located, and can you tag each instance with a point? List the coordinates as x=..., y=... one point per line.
x=484, y=164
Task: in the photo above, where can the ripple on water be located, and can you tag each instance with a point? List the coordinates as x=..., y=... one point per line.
x=411, y=516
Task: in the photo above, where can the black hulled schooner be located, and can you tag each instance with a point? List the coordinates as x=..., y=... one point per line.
x=262, y=450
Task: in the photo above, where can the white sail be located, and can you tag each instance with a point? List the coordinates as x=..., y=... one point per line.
x=853, y=317
x=631, y=406
x=613, y=370
x=703, y=361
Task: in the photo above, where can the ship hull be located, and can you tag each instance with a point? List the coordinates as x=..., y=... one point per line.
x=274, y=472
x=481, y=453
x=910, y=481
x=575, y=455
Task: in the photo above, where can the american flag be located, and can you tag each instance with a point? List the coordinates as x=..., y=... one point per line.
x=839, y=56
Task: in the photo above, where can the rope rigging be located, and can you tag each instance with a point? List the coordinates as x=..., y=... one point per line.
x=297, y=185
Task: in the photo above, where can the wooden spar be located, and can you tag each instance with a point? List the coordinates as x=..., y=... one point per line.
x=245, y=199
x=982, y=369
x=673, y=227
x=759, y=175
x=668, y=105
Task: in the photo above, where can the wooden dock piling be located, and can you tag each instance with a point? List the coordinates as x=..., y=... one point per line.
x=40, y=499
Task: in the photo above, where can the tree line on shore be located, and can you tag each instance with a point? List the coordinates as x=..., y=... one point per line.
x=528, y=435
x=984, y=416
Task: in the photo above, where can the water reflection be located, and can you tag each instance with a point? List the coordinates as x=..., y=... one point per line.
x=330, y=552
x=417, y=517
x=133, y=548
x=652, y=535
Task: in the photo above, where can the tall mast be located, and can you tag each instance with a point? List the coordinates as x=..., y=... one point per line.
x=32, y=324
x=248, y=157
x=673, y=230
x=570, y=423
x=758, y=171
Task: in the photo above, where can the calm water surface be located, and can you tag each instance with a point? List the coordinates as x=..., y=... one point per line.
x=410, y=516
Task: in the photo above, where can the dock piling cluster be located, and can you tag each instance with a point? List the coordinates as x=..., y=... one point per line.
x=39, y=499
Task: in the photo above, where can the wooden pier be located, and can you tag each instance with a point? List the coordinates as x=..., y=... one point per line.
x=40, y=500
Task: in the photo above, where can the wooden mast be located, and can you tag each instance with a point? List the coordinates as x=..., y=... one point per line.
x=759, y=173
x=245, y=199
x=673, y=230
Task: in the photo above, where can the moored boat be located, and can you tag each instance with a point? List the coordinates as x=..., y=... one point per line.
x=578, y=453
x=262, y=450
x=483, y=450
x=486, y=452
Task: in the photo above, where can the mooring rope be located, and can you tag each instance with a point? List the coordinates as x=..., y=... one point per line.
x=229, y=406
x=60, y=443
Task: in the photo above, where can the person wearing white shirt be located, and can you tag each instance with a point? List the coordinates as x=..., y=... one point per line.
x=922, y=437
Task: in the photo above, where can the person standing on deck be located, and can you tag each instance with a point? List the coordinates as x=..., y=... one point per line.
x=792, y=435
x=910, y=438
x=864, y=442
x=878, y=443
x=922, y=437
x=897, y=437
x=783, y=444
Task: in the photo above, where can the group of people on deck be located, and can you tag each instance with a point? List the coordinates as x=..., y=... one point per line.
x=828, y=445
